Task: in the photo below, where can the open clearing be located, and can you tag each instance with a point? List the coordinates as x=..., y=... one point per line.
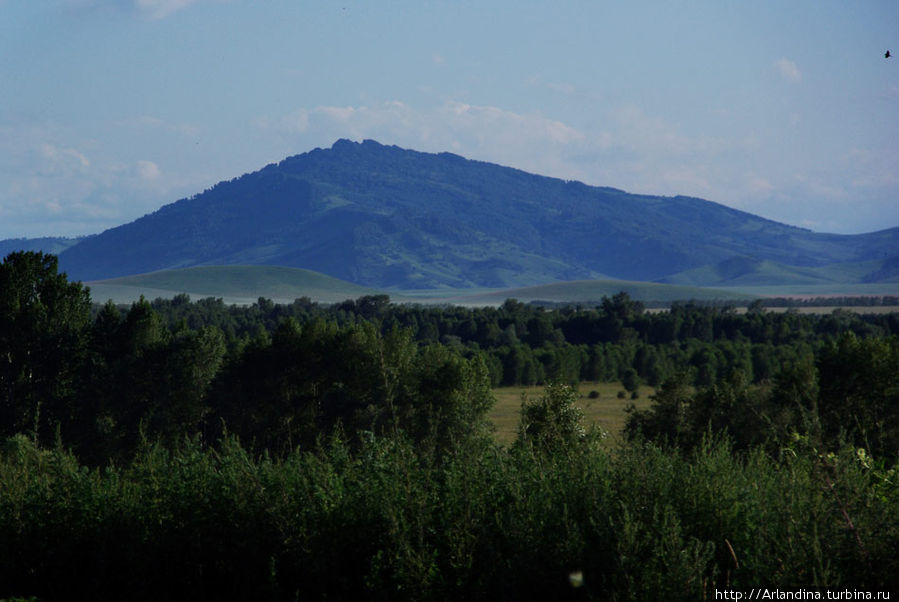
x=607, y=411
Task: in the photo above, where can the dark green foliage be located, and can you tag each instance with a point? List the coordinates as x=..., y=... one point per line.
x=43, y=328
x=850, y=394
x=859, y=392
x=312, y=378
x=388, y=521
x=630, y=380
x=526, y=344
x=552, y=422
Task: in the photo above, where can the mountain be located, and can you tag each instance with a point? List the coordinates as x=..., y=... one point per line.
x=386, y=217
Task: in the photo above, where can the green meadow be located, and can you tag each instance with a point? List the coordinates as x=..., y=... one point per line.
x=607, y=411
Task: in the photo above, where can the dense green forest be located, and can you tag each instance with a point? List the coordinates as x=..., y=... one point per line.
x=180, y=449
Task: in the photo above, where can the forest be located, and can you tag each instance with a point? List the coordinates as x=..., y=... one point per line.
x=180, y=449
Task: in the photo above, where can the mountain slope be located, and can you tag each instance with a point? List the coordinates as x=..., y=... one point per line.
x=387, y=217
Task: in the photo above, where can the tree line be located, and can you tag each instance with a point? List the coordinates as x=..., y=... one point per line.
x=102, y=377
x=530, y=344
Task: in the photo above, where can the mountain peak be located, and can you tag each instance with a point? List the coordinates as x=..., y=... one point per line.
x=345, y=144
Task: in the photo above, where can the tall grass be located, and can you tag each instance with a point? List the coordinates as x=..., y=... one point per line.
x=382, y=519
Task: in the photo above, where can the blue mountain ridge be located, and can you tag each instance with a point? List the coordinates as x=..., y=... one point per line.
x=388, y=217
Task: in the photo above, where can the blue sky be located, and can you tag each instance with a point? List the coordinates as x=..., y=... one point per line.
x=111, y=108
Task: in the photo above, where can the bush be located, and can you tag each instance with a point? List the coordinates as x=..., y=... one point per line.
x=553, y=421
x=388, y=521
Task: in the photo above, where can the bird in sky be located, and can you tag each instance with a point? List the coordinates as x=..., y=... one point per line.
x=887, y=54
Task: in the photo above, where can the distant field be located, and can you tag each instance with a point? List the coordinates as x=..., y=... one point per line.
x=814, y=309
x=827, y=309
x=819, y=290
x=607, y=411
x=585, y=291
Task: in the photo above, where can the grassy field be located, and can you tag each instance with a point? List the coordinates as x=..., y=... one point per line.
x=586, y=291
x=606, y=411
x=818, y=290
x=829, y=309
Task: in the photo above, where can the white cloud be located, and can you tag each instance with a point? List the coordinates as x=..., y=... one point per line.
x=153, y=10
x=487, y=121
x=55, y=182
x=61, y=160
x=535, y=81
x=155, y=123
x=159, y=9
x=639, y=132
x=342, y=114
x=147, y=170
x=788, y=70
x=54, y=153
x=296, y=122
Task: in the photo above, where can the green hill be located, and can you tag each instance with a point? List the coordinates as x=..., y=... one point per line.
x=234, y=284
x=245, y=284
x=747, y=271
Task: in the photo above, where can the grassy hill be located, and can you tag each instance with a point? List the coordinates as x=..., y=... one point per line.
x=750, y=272
x=245, y=284
x=234, y=284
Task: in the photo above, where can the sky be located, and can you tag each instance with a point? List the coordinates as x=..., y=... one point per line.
x=110, y=109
